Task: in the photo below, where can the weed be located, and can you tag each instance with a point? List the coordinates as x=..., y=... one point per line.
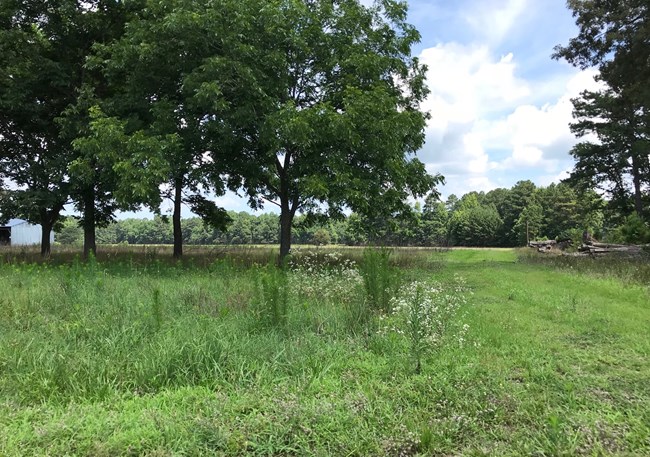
x=273, y=302
x=86, y=367
x=156, y=309
x=379, y=279
x=426, y=314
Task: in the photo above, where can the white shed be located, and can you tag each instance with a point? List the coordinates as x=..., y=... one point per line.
x=18, y=232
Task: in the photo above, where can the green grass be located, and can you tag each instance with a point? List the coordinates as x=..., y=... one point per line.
x=140, y=356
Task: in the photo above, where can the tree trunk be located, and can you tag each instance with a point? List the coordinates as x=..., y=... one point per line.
x=285, y=231
x=46, y=229
x=89, y=223
x=288, y=205
x=176, y=219
x=636, y=178
x=47, y=220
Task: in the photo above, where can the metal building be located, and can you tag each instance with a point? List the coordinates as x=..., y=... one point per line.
x=18, y=232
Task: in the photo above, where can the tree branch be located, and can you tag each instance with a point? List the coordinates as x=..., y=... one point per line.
x=271, y=201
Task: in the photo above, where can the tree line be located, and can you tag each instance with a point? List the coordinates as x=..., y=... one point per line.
x=309, y=105
x=501, y=217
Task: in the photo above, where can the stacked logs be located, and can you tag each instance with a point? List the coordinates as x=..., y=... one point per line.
x=595, y=248
x=549, y=245
x=590, y=246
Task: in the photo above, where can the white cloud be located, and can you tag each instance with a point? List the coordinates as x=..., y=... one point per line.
x=545, y=180
x=467, y=83
x=487, y=120
x=541, y=135
x=494, y=19
x=468, y=88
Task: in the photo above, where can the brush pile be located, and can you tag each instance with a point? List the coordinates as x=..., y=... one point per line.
x=589, y=247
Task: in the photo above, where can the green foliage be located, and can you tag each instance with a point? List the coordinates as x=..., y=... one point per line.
x=435, y=223
x=612, y=36
x=45, y=85
x=558, y=211
x=475, y=225
x=327, y=72
x=634, y=230
x=321, y=237
x=69, y=233
x=618, y=163
x=427, y=315
x=529, y=223
x=211, y=214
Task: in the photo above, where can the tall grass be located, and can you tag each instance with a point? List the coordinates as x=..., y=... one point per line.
x=222, y=358
x=379, y=279
x=633, y=269
x=273, y=302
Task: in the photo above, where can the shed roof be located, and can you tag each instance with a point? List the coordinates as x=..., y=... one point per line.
x=13, y=223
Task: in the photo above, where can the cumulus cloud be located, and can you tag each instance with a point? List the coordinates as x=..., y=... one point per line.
x=468, y=86
x=486, y=120
x=467, y=83
x=541, y=135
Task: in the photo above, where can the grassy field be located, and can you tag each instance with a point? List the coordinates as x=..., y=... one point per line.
x=221, y=355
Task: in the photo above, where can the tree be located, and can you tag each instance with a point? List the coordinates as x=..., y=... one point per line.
x=354, y=234
x=266, y=229
x=473, y=224
x=529, y=223
x=614, y=37
x=151, y=126
x=241, y=230
x=452, y=203
x=435, y=221
x=93, y=180
x=46, y=45
x=339, y=117
x=618, y=163
x=69, y=232
x=497, y=198
x=321, y=237
x=514, y=203
x=38, y=78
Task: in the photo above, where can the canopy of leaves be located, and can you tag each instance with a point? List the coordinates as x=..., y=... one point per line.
x=339, y=118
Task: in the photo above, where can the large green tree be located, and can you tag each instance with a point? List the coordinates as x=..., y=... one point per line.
x=511, y=206
x=338, y=121
x=617, y=163
x=435, y=220
x=172, y=74
x=44, y=47
x=473, y=224
x=613, y=36
x=38, y=76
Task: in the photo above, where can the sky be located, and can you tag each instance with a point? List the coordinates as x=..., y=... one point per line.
x=500, y=105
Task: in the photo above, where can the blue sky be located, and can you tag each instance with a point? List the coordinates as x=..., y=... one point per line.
x=500, y=106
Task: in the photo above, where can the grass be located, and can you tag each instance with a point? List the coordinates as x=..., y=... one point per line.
x=136, y=355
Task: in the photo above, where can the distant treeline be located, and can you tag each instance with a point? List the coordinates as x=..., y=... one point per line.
x=501, y=217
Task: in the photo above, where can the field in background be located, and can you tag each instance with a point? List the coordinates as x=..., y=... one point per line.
x=133, y=354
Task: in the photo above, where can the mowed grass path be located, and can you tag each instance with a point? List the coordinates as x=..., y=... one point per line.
x=156, y=360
